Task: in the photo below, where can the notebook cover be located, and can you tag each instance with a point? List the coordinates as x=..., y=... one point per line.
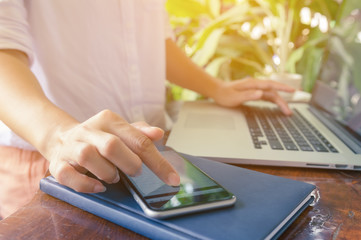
x=263, y=202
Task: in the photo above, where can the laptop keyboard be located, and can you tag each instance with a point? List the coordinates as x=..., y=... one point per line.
x=295, y=133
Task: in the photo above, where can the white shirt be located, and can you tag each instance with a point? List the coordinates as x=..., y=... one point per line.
x=90, y=55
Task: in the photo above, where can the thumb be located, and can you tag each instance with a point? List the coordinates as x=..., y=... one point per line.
x=154, y=133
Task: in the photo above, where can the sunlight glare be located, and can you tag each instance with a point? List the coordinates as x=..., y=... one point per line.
x=188, y=50
x=257, y=32
x=305, y=15
x=358, y=38
x=267, y=23
x=315, y=20
x=276, y=59
x=305, y=32
x=188, y=188
x=278, y=42
x=323, y=24
x=175, y=202
x=246, y=27
x=268, y=69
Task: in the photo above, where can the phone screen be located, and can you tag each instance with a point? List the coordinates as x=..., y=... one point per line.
x=195, y=188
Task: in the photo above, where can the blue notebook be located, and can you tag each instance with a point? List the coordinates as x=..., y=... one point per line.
x=266, y=205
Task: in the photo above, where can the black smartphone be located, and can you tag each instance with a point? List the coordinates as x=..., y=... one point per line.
x=197, y=191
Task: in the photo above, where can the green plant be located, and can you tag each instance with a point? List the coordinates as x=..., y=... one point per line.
x=340, y=43
x=234, y=39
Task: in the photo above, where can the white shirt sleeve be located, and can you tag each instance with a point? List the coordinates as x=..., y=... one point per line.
x=14, y=28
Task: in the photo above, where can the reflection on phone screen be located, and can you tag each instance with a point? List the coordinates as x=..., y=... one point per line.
x=195, y=187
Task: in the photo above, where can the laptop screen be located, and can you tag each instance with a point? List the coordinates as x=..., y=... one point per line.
x=339, y=90
x=342, y=103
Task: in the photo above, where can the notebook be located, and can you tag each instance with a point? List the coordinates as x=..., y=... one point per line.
x=325, y=133
x=266, y=205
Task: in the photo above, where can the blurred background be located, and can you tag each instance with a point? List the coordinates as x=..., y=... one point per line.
x=233, y=39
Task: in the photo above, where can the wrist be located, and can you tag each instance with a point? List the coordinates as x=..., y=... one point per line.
x=214, y=88
x=211, y=87
x=52, y=128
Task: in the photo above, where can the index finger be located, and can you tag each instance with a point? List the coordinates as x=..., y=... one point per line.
x=273, y=96
x=149, y=154
x=143, y=147
x=138, y=143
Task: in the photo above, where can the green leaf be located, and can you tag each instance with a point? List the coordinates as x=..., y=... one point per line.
x=250, y=63
x=347, y=7
x=294, y=57
x=214, y=7
x=234, y=15
x=310, y=67
x=188, y=95
x=186, y=8
x=209, y=47
x=215, y=65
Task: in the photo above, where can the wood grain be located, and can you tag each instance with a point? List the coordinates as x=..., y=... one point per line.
x=336, y=215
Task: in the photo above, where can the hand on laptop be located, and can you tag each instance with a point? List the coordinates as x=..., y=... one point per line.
x=232, y=94
x=185, y=73
x=102, y=145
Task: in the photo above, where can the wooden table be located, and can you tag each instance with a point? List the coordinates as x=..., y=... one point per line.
x=336, y=215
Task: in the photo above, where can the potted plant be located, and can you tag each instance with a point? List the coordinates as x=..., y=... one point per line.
x=234, y=39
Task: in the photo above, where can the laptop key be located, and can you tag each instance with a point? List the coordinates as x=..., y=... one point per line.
x=307, y=148
x=276, y=145
x=291, y=131
x=257, y=146
x=332, y=149
x=292, y=147
x=320, y=148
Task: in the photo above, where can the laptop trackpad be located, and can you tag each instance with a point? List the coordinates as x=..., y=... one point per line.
x=206, y=121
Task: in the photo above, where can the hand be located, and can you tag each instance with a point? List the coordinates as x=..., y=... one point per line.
x=231, y=94
x=102, y=145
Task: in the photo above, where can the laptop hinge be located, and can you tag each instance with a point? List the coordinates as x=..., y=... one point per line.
x=344, y=135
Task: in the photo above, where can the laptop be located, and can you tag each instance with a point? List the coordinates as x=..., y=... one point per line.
x=324, y=133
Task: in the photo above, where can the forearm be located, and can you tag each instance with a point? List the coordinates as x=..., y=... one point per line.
x=101, y=144
x=183, y=72
x=23, y=105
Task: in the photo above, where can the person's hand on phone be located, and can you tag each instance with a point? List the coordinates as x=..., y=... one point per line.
x=102, y=145
x=232, y=94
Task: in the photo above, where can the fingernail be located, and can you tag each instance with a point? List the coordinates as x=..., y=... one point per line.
x=156, y=128
x=99, y=188
x=117, y=178
x=173, y=179
x=151, y=128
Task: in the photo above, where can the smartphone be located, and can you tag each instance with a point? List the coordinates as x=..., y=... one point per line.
x=197, y=191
